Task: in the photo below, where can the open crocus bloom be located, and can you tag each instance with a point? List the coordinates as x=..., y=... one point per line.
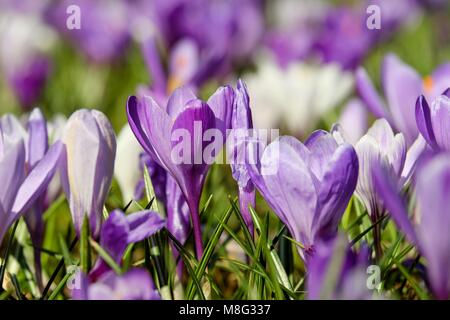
x=24, y=171
x=177, y=138
x=307, y=185
x=434, y=121
x=401, y=85
x=431, y=234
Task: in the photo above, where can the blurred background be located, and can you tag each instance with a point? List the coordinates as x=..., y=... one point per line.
x=297, y=56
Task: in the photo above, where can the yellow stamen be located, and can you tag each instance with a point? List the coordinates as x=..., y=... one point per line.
x=428, y=83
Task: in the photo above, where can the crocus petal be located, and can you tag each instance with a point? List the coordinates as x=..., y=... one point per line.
x=290, y=187
x=423, y=119
x=440, y=119
x=143, y=224
x=389, y=193
x=369, y=95
x=338, y=184
x=136, y=115
x=178, y=222
x=433, y=187
x=412, y=157
x=12, y=172
x=194, y=120
x=158, y=125
x=321, y=146
x=178, y=100
x=38, y=179
x=221, y=103
x=401, y=84
x=38, y=137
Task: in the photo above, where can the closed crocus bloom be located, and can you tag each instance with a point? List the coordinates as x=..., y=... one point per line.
x=307, y=185
x=401, y=86
x=378, y=145
x=434, y=121
x=431, y=234
x=176, y=137
x=136, y=284
x=88, y=166
x=23, y=184
x=241, y=124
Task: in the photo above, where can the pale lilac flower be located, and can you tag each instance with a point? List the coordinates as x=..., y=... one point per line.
x=88, y=166
x=25, y=172
x=307, y=185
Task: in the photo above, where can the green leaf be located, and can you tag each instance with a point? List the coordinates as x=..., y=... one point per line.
x=85, y=254
x=209, y=249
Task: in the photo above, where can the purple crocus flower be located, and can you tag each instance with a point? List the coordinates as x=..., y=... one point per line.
x=307, y=185
x=136, y=284
x=434, y=121
x=353, y=121
x=104, y=27
x=120, y=230
x=23, y=183
x=241, y=124
x=401, y=85
x=88, y=166
x=183, y=123
x=431, y=234
x=337, y=258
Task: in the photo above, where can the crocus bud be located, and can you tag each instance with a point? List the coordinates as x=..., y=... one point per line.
x=88, y=165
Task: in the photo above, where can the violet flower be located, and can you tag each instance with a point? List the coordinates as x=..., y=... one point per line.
x=183, y=123
x=401, y=86
x=88, y=166
x=120, y=230
x=23, y=172
x=434, y=121
x=431, y=234
x=307, y=185
x=104, y=27
x=337, y=258
x=241, y=124
x=136, y=284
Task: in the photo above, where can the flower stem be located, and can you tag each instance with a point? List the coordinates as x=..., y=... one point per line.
x=195, y=217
